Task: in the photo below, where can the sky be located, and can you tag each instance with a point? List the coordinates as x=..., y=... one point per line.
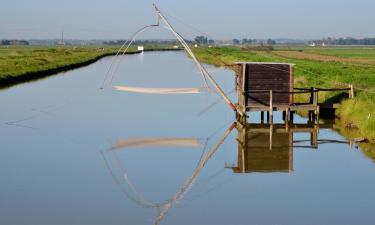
x=217, y=19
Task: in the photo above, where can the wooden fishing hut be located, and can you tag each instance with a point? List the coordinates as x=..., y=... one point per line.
x=268, y=87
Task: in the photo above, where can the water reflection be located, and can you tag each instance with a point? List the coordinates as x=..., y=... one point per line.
x=162, y=208
x=268, y=148
x=262, y=148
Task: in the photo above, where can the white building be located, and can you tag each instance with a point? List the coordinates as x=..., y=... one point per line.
x=141, y=48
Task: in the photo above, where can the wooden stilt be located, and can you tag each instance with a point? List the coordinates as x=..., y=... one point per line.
x=271, y=137
x=271, y=108
x=292, y=116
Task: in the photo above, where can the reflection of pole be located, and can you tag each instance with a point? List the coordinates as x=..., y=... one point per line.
x=165, y=207
x=190, y=181
x=201, y=68
x=271, y=136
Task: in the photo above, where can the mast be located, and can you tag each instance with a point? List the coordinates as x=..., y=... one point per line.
x=190, y=52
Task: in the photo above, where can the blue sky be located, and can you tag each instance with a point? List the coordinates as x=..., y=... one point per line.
x=115, y=19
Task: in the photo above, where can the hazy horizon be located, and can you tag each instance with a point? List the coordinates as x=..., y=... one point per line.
x=98, y=20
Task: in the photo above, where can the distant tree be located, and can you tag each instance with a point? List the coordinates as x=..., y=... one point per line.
x=236, y=41
x=201, y=40
x=345, y=41
x=271, y=42
x=211, y=42
x=14, y=42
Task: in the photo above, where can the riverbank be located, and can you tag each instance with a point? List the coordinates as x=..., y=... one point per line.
x=20, y=64
x=356, y=116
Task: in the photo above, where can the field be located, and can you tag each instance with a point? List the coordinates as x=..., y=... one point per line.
x=320, y=67
x=22, y=63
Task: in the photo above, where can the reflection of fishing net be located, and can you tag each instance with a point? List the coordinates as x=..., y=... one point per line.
x=162, y=208
x=157, y=142
x=159, y=90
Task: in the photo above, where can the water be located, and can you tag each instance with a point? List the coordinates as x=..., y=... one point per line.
x=58, y=163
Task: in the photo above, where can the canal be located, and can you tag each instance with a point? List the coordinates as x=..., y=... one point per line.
x=73, y=154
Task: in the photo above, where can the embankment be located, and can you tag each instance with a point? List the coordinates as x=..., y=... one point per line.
x=47, y=62
x=355, y=117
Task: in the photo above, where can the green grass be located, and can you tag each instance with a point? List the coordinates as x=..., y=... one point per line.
x=368, y=53
x=22, y=63
x=344, y=52
x=17, y=61
x=315, y=73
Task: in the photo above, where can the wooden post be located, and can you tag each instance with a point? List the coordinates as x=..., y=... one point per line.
x=271, y=137
x=287, y=113
x=292, y=116
x=351, y=91
x=271, y=108
x=311, y=113
x=315, y=103
x=262, y=117
x=314, y=139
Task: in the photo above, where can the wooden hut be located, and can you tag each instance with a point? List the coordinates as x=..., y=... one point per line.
x=264, y=85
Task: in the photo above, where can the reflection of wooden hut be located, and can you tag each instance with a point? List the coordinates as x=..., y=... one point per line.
x=264, y=152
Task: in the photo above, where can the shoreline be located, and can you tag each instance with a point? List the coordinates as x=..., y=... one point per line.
x=11, y=81
x=343, y=121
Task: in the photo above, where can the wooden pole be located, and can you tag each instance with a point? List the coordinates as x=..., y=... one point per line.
x=315, y=103
x=271, y=108
x=271, y=137
x=351, y=93
x=203, y=70
x=292, y=116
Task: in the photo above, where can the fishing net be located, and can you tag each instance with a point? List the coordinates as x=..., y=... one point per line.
x=161, y=91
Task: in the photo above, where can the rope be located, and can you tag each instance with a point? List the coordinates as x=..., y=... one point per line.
x=127, y=44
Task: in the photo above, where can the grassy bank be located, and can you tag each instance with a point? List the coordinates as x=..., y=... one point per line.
x=25, y=63
x=321, y=67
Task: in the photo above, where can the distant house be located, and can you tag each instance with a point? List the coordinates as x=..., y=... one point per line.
x=141, y=48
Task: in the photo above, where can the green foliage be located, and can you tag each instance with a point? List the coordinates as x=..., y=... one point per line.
x=17, y=61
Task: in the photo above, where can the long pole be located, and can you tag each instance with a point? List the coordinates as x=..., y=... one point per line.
x=201, y=68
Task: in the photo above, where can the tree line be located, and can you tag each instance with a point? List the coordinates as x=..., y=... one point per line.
x=14, y=42
x=345, y=41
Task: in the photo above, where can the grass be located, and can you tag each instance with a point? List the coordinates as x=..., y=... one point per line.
x=357, y=115
x=24, y=63
x=18, y=60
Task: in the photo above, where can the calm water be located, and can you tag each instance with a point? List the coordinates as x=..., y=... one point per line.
x=73, y=155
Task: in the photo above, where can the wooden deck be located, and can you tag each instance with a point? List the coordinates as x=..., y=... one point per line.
x=293, y=107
